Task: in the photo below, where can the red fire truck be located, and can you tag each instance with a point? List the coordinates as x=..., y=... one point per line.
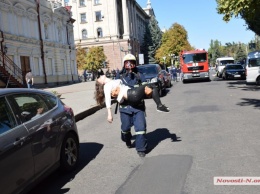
x=194, y=65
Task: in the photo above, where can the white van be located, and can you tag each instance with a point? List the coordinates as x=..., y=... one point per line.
x=253, y=67
x=221, y=64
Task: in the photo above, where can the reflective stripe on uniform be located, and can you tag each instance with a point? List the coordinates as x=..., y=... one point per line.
x=140, y=132
x=125, y=132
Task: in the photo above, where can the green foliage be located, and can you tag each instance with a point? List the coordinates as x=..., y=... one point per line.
x=81, y=57
x=174, y=40
x=240, y=54
x=152, y=40
x=236, y=50
x=95, y=59
x=249, y=10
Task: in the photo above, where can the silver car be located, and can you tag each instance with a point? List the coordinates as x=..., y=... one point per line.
x=38, y=134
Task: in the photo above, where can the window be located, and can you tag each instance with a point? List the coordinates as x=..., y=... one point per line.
x=50, y=101
x=32, y=106
x=82, y=3
x=98, y=16
x=83, y=18
x=50, y=71
x=63, y=67
x=84, y=34
x=254, y=62
x=97, y=2
x=7, y=119
x=99, y=33
x=36, y=66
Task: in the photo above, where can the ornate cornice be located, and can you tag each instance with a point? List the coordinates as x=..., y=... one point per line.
x=5, y=6
x=19, y=10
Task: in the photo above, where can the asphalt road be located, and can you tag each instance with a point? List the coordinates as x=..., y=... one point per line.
x=211, y=131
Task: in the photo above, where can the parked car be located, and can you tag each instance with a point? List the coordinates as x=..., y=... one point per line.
x=38, y=134
x=153, y=76
x=221, y=63
x=167, y=78
x=234, y=71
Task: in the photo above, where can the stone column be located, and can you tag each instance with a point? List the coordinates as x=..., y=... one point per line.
x=125, y=18
x=135, y=20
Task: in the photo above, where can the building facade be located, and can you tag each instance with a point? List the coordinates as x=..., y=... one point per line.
x=116, y=25
x=38, y=35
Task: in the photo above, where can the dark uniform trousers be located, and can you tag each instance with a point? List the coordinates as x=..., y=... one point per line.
x=131, y=116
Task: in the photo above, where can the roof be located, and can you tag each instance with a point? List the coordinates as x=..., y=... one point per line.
x=193, y=51
x=254, y=54
x=5, y=91
x=225, y=58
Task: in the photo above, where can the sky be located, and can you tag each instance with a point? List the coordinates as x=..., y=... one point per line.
x=201, y=21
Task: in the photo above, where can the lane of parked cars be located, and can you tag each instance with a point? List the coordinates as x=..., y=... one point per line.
x=38, y=134
x=155, y=75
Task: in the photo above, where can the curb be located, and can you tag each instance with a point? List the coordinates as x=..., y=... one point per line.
x=90, y=111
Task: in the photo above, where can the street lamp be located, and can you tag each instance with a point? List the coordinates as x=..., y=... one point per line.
x=164, y=58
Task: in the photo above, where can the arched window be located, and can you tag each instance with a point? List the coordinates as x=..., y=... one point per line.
x=99, y=33
x=84, y=34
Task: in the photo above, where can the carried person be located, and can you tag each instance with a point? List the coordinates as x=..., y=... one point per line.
x=107, y=88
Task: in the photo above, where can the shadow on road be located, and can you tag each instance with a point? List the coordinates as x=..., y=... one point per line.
x=250, y=102
x=53, y=184
x=158, y=135
x=241, y=84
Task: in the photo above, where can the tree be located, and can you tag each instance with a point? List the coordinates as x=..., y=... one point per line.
x=95, y=59
x=240, y=54
x=249, y=10
x=174, y=40
x=152, y=40
x=81, y=55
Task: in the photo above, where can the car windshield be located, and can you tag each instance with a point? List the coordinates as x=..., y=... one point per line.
x=234, y=67
x=224, y=62
x=194, y=58
x=147, y=70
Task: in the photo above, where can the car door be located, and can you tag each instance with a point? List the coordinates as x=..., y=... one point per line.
x=253, y=69
x=16, y=161
x=42, y=123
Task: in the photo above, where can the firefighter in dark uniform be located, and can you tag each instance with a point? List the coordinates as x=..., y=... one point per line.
x=133, y=114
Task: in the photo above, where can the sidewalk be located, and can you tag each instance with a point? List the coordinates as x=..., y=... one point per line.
x=80, y=97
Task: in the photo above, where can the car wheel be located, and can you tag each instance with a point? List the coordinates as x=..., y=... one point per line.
x=258, y=80
x=69, y=155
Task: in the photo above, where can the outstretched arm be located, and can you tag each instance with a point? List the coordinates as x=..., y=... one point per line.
x=109, y=115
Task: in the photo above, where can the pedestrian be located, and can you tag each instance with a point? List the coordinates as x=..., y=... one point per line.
x=107, y=88
x=29, y=78
x=85, y=75
x=100, y=72
x=174, y=74
x=133, y=115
